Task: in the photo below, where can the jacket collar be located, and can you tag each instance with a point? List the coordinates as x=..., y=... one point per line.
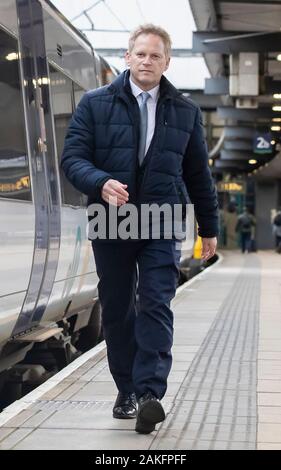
x=121, y=86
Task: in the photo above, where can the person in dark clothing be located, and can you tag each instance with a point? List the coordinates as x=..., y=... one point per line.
x=244, y=226
x=276, y=229
x=140, y=141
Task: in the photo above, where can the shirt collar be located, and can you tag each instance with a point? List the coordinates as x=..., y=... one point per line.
x=137, y=90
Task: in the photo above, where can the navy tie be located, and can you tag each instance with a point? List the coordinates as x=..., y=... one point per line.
x=143, y=125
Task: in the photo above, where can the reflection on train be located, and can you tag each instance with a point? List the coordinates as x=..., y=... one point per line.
x=48, y=283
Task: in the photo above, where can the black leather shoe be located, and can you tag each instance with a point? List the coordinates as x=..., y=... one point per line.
x=150, y=412
x=125, y=406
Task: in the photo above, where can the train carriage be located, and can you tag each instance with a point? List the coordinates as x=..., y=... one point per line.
x=48, y=281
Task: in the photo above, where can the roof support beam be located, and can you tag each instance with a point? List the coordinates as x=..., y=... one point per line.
x=268, y=3
x=240, y=145
x=227, y=112
x=233, y=164
x=220, y=86
x=229, y=42
x=217, y=86
x=272, y=86
x=243, y=156
x=204, y=101
x=233, y=133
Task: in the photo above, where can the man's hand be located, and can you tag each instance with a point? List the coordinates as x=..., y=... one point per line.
x=115, y=192
x=208, y=248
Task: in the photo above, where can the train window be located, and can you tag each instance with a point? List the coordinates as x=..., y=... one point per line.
x=78, y=93
x=14, y=168
x=63, y=107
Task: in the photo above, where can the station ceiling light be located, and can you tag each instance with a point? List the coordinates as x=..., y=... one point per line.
x=12, y=56
x=276, y=108
x=277, y=96
x=252, y=162
x=276, y=119
x=279, y=57
x=276, y=128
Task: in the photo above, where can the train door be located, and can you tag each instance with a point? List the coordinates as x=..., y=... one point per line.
x=17, y=215
x=44, y=172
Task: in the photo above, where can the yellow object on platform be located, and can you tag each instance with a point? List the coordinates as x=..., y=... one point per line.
x=197, y=250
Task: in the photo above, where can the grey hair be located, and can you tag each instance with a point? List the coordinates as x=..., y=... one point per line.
x=151, y=29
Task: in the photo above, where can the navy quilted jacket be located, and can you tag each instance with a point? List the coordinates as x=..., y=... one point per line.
x=102, y=143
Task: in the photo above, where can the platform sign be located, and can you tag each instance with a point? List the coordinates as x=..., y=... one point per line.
x=262, y=143
x=231, y=187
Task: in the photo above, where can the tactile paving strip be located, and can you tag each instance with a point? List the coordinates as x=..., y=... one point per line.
x=56, y=405
x=216, y=407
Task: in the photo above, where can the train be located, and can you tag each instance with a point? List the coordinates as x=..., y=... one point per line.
x=49, y=307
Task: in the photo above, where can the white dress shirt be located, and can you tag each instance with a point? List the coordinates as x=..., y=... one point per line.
x=151, y=108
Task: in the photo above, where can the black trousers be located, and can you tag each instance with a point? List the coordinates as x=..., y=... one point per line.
x=245, y=241
x=139, y=335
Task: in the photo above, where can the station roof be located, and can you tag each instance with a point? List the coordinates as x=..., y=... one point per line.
x=226, y=28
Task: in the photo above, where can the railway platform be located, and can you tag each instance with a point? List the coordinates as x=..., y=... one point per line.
x=224, y=389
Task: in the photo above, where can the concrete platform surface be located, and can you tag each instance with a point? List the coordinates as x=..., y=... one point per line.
x=224, y=389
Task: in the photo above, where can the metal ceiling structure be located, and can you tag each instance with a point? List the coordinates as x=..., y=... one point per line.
x=241, y=44
x=107, y=23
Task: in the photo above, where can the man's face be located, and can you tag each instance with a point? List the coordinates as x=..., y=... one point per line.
x=147, y=61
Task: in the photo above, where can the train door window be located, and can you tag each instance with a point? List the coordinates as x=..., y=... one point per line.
x=14, y=167
x=63, y=107
x=98, y=69
x=78, y=93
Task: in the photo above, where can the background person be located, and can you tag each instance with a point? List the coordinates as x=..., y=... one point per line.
x=276, y=230
x=244, y=227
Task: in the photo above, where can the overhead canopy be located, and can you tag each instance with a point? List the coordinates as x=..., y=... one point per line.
x=225, y=29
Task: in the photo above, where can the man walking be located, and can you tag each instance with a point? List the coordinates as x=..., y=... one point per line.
x=140, y=141
x=244, y=227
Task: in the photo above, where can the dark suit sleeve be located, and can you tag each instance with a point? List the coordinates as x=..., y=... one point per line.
x=198, y=181
x=77, y=160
